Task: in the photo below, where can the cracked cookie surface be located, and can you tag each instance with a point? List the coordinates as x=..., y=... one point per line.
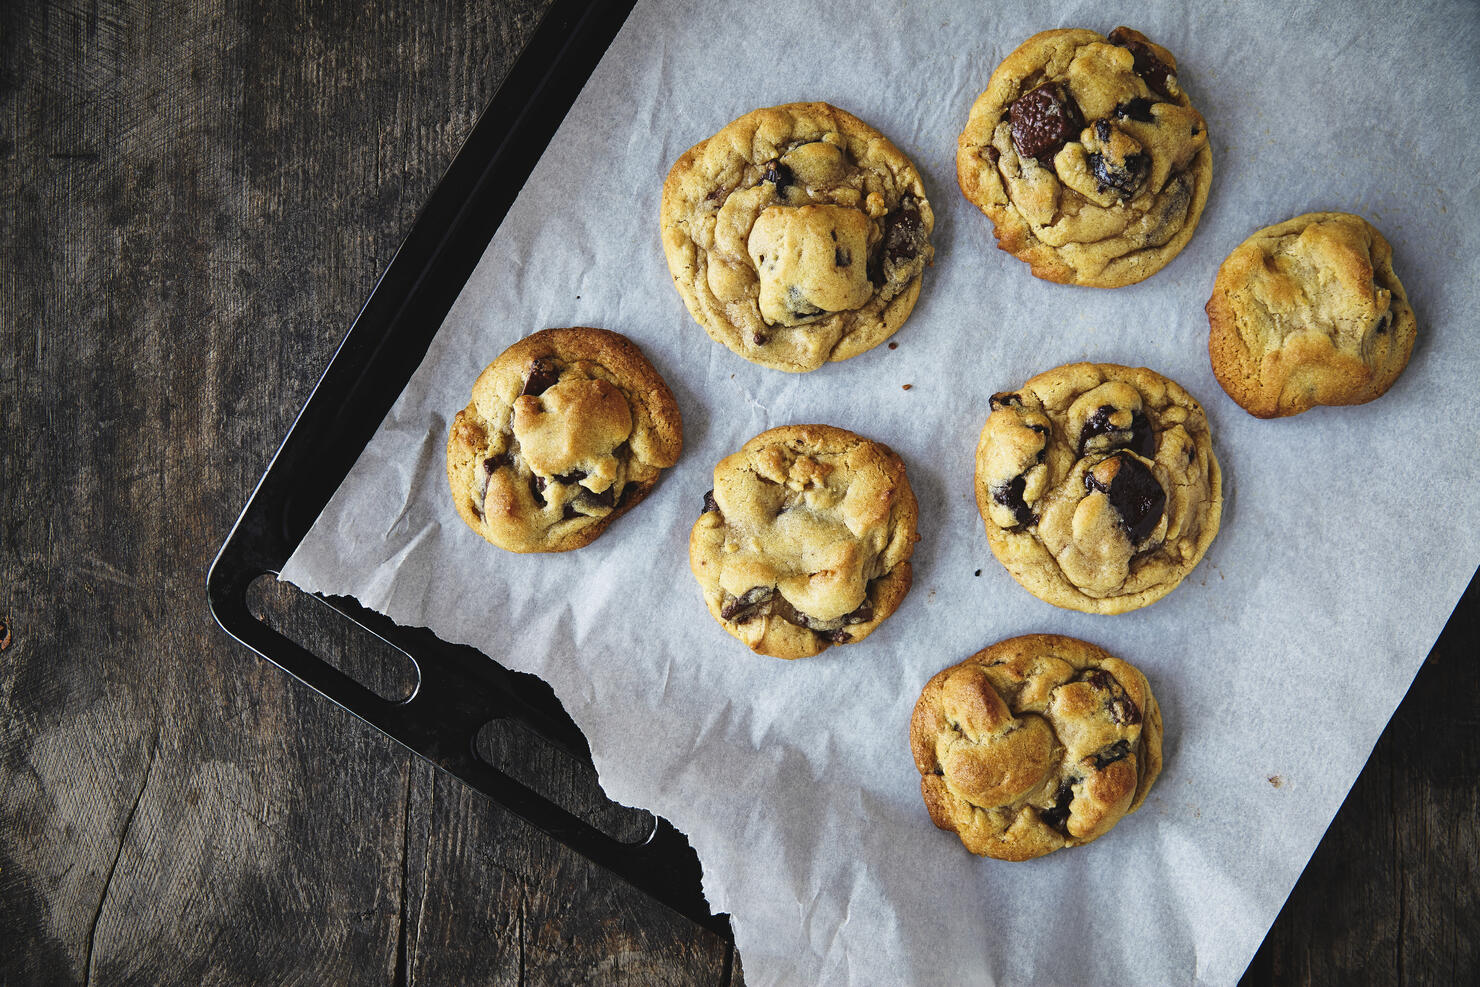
x=1098, y=486
x=805, y=540
x=1308, y=312
x=797, y=235
x=566, y=431
x=1088, y=157
x=1034, y=744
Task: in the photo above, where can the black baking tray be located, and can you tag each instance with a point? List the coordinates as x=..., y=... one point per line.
x=459, y=690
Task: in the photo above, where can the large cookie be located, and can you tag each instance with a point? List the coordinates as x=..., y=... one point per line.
x=1034, y=744
x=1088, y=157
x=1309, y=312
x=567, y=430
x=797, y=235
x=805, y=540
x=1098, y=486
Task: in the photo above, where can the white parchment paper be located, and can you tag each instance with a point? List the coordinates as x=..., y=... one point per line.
x=1348, y=534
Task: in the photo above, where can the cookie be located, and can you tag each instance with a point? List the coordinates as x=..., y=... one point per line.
x=1309, y=312
x=1098, y=486
x=1035, y=744
x=797, y=235
x=1088, y=157
x=805, y=540
x=567, y=430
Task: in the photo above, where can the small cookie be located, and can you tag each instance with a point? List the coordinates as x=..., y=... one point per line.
x=805, y=540
x=1098, y=486
x=1034, y=744
x=1309, y=312
x=1088, y=157
x=797, y=235
x=567, y=430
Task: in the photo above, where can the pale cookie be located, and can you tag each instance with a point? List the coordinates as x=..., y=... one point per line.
x=1088, y=157
x=567, y=430
x=797, y=235
x=1035, y=744
x=1309, y=312
x=805, y=540
x=1098, y=486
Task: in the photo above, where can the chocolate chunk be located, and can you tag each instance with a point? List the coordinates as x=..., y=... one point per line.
x=543, y=373
x=1139, y=438
x=841, y=257
x=1137, y=108
x=748, y=605
x=1043, y=121
x=864, y=612
x=1118, y=751
x=1123, y=710
x=570, y=512
x=904, y=238
x=1124, y=178
x=574, y=476
x=493, y=464
x=839, y=636
x=1010, y=496
x=1385, y=322
x=607, y=497
x=537, y=488
x=1058, y=814
x=778, y=175
x=1156, y=73
x=710, y=504
x=1134, y=494
x=1005, y=399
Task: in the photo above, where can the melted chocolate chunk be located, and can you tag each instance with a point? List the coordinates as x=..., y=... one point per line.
x=1005, y=399
x=607, y=497
x=1134, y=494
x=1118, y=751
x=542, y=376
x=493, y=464
x=570, y=512
x=1124, y=178
x=1138, y=109
x=1385, y=322
x=748, y=605
x=1043, y=121
x=1139, y=438
x=778, y=175
x=1122, y=708
x=865, y=612
x=904, y=237
x=1058, y=814
x=1010, y=496
x=1151, y=69
x=710, y=504
x=537, y=488
x=574, y=476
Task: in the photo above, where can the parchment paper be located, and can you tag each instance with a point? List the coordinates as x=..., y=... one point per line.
x=1348, y=534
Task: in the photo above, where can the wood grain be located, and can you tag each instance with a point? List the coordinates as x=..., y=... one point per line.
x=197, y=198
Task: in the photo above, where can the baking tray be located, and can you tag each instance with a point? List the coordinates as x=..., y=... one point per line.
x=458, y=690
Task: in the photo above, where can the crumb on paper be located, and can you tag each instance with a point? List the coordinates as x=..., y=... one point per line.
x=978, y=572
x=894, y=346
x=908, y=386
x=1276, y=780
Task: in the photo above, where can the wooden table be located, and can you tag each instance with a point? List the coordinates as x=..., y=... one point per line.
x=197, y=197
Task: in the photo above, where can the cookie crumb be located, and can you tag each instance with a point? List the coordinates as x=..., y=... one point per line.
x=978, y=572
x=894, y=346
x=908, y=386
x=1276, y=780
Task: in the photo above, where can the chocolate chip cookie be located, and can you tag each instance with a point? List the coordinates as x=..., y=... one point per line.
x=1309, y=312
x=1034, y=744
x=1098, y=486
x=1088, y=157
x=567, y=430
x=797, y=235
x=805, y=540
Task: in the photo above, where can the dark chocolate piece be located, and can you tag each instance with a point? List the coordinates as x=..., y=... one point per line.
x=1044, y=120
x=1137, y=108
x=1134, y=493
x=1124, y=177
x=1058, y=814
x=1010, y=496
x=1139, y=438
x=1156, y=73
x=1118, y=751
x=543, y=373
x=748, y=605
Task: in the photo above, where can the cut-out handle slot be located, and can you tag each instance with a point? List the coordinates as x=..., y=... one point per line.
x=519, y=752
x=335, y=637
